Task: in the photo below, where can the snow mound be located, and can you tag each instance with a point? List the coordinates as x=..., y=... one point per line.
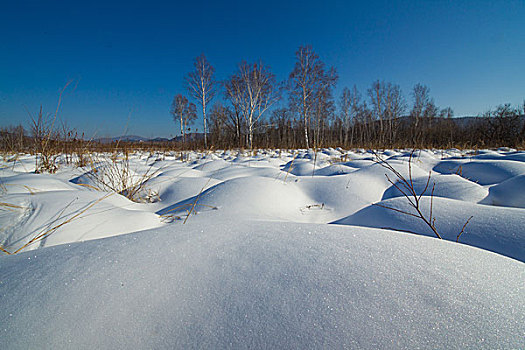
x=446, y=186
x=212, y=165
x=334, y=169
x=495, y=229
x=484, y=172
x=262, y=286
x=19, y=163
x=249, y=197
x=233, y=172
x=509, y=193
x=171, y=190
x=299, y=167
x=34, y=183
x=70, y=217
x=346, y=194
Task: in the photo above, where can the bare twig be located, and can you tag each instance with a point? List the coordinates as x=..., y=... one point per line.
x=463, y=229
x=408, y=190
x=395, y=209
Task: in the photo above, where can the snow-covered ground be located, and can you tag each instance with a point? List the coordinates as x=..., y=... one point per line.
x=283, y=249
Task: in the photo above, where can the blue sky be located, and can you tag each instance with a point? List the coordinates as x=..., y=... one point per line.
x=128, y=59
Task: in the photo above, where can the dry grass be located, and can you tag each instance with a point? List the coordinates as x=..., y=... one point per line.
x=9, y=206
x=3, y=188
x=113, y=173
x=46, y=137
x=192, y=209
x=53, y=228
x=191, y=206
x=290, y=168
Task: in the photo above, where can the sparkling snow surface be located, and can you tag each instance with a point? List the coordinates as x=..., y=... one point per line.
x=283, y=252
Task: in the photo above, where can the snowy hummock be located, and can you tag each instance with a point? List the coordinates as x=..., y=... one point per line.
x=285, y=249
x=262, y=285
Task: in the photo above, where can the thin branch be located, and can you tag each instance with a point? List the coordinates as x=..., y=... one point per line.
x=394, y=209
x=463, y=229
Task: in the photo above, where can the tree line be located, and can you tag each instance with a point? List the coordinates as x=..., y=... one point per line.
x=252, y=109
x=246, y=113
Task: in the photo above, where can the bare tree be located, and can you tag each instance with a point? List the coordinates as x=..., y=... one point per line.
x=503, y=125
x=345, y=106
x=219, y=118
x=282, y=122
x=364, y=118
x=256, y=91
x=184, y=112
x=395, y=106
x=522, y=133
x=431, y=110
x=178, y=106
x=446, y=113
x=233, y=88
x=12, y=139
x=355, y=110
x=421, y=96
x=305, y=82
x=324, y=107
x=201, y=86
x=377, y=100
x=446, y=127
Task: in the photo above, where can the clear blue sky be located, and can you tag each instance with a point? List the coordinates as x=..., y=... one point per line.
x=128, y=59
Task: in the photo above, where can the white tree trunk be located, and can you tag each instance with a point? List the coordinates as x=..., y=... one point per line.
x=204, y=119
x=306, y=134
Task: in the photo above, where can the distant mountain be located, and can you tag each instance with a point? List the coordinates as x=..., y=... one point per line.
x=467, y=121
x=135, y=138
x=460, y=121
x=190, y=137
x=159, y=139
x=130, y=138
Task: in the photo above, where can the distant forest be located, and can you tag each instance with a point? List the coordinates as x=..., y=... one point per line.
x=240, y=112
x=380, y=117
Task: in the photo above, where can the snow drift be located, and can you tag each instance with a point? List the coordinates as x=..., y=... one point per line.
x=262, y=285
x=281, y=249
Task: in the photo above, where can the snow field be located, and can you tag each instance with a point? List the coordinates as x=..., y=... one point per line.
x=272, y=285
x=283, y=249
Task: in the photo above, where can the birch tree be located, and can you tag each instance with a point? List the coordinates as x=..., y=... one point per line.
x=183, y=112
x=255, y=91
x=305, y=81
x=201, y=86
